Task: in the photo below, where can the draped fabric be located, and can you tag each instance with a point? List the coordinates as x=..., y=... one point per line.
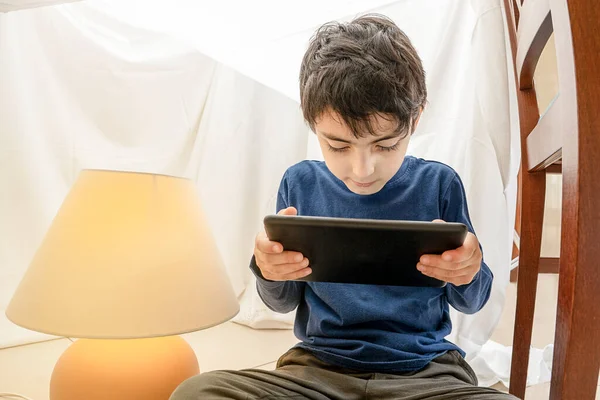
x=209, y=90
x=15, y=5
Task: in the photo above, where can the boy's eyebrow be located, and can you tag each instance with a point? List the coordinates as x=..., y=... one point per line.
x=381, y=139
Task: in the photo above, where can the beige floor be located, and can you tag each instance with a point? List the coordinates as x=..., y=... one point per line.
x=26, y=369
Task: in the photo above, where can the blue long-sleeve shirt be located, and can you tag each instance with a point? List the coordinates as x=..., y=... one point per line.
x=371, y=327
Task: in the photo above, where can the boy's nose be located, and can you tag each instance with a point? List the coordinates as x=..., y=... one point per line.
x=363, y=167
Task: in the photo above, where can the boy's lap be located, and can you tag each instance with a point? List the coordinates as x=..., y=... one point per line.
x=300, y=376
x=255, y=384
x=432, y=389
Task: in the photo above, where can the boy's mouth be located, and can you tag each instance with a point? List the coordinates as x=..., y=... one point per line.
x=363, y=184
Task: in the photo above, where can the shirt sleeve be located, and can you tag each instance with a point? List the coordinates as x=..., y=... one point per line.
x=472, y=297
x=279, y=296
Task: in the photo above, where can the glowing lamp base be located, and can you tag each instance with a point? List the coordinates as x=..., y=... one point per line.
x=132, y=369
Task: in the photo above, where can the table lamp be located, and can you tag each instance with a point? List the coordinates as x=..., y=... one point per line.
x=128, y=263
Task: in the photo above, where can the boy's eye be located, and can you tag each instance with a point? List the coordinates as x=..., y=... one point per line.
x=388, y=148
x=338, y=149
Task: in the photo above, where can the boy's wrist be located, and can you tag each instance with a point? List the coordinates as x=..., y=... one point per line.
x=259, y=276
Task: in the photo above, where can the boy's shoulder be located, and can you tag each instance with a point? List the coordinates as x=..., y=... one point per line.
x=306, y=169
x=429, y=167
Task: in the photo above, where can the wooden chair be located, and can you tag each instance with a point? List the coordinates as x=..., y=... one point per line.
x=567, y=135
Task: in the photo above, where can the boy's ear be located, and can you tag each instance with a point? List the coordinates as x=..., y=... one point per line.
x=416, y=123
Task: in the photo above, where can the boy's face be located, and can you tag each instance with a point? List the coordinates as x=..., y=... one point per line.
x=366, y=164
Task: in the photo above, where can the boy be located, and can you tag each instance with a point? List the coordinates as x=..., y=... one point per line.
x=362, y=90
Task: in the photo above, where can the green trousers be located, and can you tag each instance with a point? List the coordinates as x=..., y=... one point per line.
x=300, y=375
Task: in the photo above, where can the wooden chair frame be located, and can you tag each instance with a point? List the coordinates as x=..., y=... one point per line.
x=567, y=134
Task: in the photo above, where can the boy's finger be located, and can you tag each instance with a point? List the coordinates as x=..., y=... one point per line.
x=434, y=260
x=431, y=259
x=288, y=211
x=464, y=252
x=444, y=274
x=437, y=262
x=287, y=257
x=266, y=246
x=297, y=274
x=286, y=269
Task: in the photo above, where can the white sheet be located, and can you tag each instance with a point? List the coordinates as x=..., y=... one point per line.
x=99, y=84
x=16, y=5
x=80, y=90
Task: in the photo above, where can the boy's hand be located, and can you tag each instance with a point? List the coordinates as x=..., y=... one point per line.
x=458, y=266
x=276, y=264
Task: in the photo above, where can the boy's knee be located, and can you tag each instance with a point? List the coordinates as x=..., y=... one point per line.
x=194, y=387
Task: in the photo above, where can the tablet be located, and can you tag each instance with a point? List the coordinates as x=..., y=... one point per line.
x=364, y=251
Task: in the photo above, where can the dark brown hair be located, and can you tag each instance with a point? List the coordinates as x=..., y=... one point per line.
x=361, y=68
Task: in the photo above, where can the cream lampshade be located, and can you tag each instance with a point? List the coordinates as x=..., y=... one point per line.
x=128, y=256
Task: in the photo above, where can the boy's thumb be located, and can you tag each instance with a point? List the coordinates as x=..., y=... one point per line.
x=288, y=211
